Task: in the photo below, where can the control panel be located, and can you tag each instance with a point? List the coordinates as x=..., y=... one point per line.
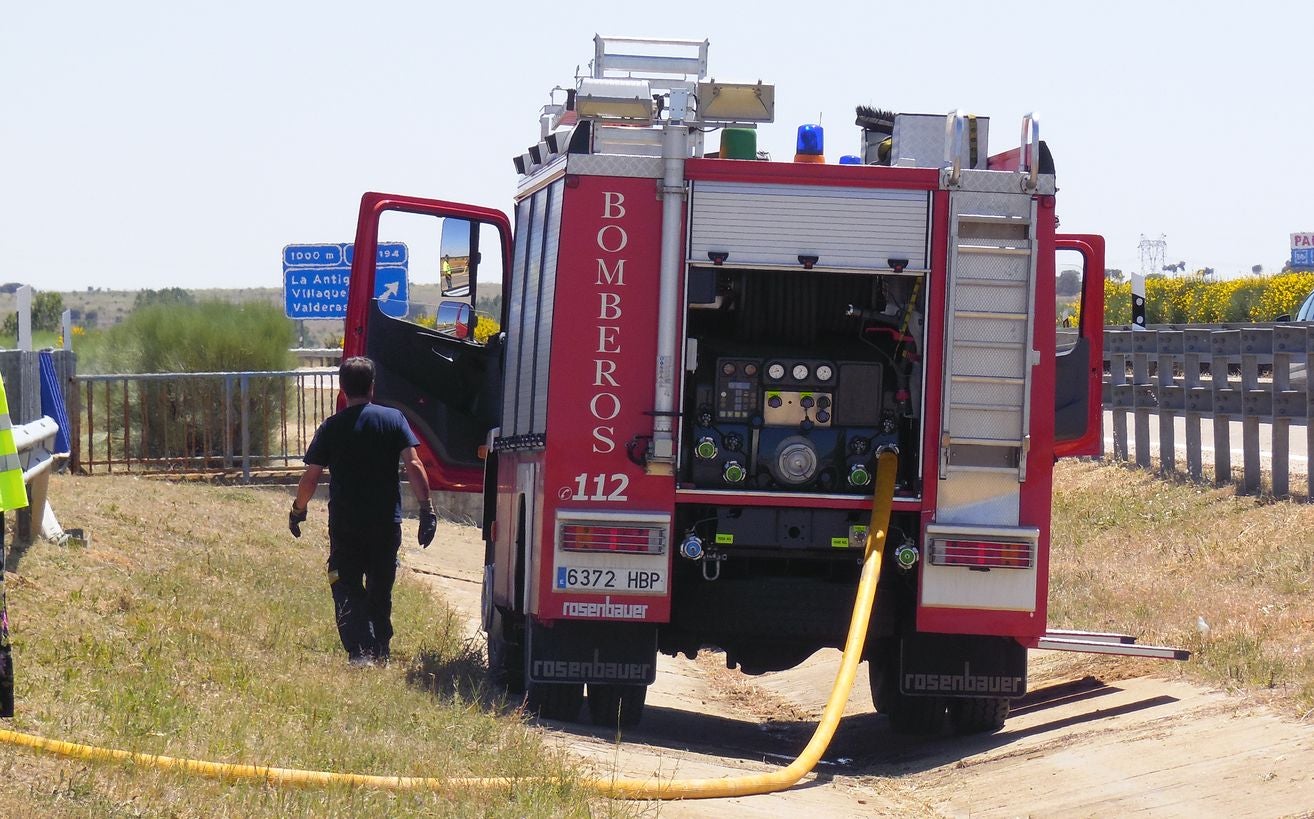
x=737, y=389
x=786, y=423
x=787, y=408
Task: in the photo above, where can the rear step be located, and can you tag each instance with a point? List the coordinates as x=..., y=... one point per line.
x=1095, y=642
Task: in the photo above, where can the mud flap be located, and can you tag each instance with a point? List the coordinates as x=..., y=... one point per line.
x=574, y=652
x=962, y=665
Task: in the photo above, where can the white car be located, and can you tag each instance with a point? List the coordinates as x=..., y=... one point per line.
x=1306, y=311
x=1299, y=379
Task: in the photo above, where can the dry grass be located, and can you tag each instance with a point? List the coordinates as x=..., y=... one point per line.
x=1135, y=553
x=193, y=625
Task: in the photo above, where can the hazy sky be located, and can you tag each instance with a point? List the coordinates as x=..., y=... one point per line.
x=149, y=145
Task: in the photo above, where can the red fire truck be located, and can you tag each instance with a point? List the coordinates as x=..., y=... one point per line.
x=697, y=357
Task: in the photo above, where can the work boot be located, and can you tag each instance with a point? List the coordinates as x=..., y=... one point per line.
x=361, y=661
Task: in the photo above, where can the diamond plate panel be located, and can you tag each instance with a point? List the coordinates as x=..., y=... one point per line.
x=635, y=167
x=999, y=203
x=921, y=139
x=994, y=267
x=989, y=329
x=990, y=424
x=994, y=361
x=996, y=394
x=986, y=298
x=1000, y=182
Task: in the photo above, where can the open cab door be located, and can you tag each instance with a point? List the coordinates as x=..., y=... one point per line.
x=430, y=320
x=1079, y=365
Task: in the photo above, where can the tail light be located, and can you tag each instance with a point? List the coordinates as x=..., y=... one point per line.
x=982, y=547
x=982, y=554
x=600, y=537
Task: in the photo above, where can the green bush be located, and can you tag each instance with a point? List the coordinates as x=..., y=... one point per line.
x=47, y=308
x=197, y=417
x=209, y=337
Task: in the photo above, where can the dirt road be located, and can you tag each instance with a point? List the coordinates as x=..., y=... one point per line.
x=1075, y=746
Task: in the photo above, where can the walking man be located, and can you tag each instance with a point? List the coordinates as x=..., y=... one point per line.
x=360, y=446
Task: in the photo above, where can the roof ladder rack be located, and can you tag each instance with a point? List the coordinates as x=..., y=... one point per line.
x=648, y=58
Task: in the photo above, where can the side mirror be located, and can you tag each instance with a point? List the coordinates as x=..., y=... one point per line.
x=456, y=318
x=459, y=247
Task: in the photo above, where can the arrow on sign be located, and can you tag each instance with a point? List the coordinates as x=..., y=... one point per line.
x=389, y=290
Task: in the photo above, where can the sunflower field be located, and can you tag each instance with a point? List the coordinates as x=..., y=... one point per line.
x=1196, y=301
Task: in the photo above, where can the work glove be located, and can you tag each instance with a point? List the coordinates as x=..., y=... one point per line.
x=294, y=520
x=428, y=524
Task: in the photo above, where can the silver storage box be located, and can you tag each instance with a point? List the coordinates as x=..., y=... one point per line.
x=920, y=141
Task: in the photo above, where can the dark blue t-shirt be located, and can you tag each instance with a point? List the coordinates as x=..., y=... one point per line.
x=361, y=446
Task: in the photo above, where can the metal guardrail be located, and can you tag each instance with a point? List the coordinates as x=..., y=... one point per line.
x=184, y=423
x=35, y=442
x=1257, y=375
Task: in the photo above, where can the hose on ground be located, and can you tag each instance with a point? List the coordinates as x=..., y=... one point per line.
x=621, y=788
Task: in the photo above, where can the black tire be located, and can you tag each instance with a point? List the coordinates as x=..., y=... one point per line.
x=876, y=676
x=917, y=716
x=909, y=716
x=978, y=715
x=616, y=706
x=506, y=656
x=558, y=701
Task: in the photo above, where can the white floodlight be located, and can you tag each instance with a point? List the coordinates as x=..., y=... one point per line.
x=614, y=99
x=736, y=102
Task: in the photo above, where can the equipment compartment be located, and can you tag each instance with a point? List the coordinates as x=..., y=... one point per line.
x=796, y=379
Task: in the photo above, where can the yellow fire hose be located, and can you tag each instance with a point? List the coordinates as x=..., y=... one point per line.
x=886, y=468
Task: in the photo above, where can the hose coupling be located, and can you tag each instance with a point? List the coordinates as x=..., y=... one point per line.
x=906, y=556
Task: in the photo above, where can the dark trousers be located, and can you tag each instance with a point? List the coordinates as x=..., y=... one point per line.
x=362, y=566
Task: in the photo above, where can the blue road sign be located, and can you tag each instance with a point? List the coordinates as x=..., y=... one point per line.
x=313, y=256
x=316, y=278
x=1302, y=257
x=389, y=253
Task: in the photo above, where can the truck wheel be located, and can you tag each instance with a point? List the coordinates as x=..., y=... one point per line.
x=506, y=658
x=876, y=676
x=917, y=716
x=978, y=715
x=909, y=716
x=616, y=706
x=559, y=701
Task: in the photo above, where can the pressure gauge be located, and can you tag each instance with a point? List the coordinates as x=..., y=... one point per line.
x=824, y=372
x=800, y=372
x=776, y=371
